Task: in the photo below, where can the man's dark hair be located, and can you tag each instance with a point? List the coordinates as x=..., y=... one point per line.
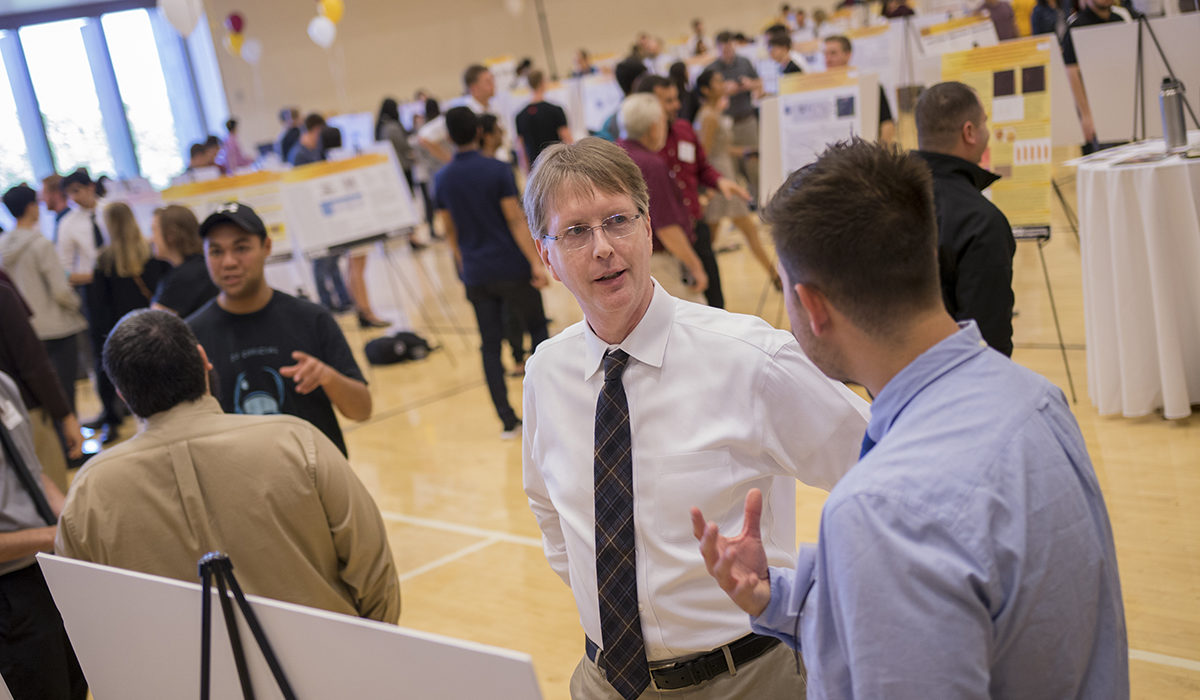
x=151, y=357
x=780, y=39
x=725, y=37
x=776, y=29
x=313, y=121
x=843, y=41
x=472, y=74
x=79, y=176
x=536, y=79
x=463, y=125
x=212, y=141
x=627, y=72
x=649, y=83
x=230, y=125
x=19, y=199
x=488, y=123
x=197, y=149
x=859, y=225
x=432, y=109
x=331, y=138
x=941, y=112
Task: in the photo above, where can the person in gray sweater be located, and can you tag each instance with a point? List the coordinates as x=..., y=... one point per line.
x=30, y=260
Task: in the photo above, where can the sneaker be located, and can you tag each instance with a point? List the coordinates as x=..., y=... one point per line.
x=511, y=431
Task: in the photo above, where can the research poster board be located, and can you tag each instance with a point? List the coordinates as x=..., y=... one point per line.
x=601, y=97
x=336, y=203
x=817, y=109
x=958, y=35
x=1108, y=61
x=137, y=637
x=1013, y=81
x=262, y=191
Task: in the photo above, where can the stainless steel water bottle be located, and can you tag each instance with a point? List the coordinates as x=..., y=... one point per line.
x=1170, y=100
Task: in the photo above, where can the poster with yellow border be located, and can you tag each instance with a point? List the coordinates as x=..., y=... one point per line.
x=1013, y=82
x=817, y=109
x=260, y=191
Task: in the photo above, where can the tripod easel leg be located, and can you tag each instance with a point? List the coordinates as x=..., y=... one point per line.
x=1057, y=326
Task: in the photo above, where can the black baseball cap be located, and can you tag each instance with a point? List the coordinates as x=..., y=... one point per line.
x=237, y=214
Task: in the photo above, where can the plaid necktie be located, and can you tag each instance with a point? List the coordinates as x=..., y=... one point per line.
x=624, y=657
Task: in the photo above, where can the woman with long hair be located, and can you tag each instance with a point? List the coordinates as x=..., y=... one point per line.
x=122, y=282
x=175, y=235
x=716, y=135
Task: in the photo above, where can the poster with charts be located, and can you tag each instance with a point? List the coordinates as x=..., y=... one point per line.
x=1013, y=82
x=818, y=109
x=261, y=191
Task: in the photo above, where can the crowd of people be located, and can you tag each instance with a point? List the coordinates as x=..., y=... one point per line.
x=965, y=547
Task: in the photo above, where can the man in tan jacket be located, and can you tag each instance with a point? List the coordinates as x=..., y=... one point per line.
x=272, y=492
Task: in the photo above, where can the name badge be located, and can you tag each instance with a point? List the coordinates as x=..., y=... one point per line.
x=10, y=415
x=687, y=152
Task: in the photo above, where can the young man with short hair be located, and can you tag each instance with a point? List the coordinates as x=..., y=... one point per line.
x=540, y=123
x=480, y=210
x=779, y=46
x=308, y=148
x=838, y=54
x=81, y=233
x=273, y=353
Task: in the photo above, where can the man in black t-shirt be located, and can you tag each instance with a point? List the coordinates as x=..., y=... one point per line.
x=273, y=353
x=541, y=123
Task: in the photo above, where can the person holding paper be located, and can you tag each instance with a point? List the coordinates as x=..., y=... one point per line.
x=975, y=242
x=649, y=404
x=968, y=553
x=838, y=53
x=270, y=491
x=36, y=659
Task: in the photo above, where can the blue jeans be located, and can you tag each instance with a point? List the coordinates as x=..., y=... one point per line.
x=328, y=274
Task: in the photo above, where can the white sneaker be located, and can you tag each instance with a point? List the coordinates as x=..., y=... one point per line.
x=512, y=432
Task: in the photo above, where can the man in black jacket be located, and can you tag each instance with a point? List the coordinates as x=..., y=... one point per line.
x=975, y=241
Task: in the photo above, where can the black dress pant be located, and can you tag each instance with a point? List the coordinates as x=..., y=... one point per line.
x=36, y=659
x=64, y=356
x=704, y=250
x=490, y=300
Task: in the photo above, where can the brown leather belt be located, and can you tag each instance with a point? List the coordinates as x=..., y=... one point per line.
x=684, y=674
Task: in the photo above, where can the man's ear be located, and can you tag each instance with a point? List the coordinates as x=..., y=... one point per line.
x=544, y=254
x=816, y=306
x=207, y=368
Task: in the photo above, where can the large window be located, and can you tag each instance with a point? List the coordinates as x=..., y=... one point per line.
x=14, y=159
x=140, y=79
x=66, y=92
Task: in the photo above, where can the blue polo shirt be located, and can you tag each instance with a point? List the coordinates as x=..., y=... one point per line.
x=470, y=187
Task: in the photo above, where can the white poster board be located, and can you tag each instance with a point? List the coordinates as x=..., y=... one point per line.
x=958, y=35
x=138, y=637
x=336, y=203
x=1107, y=56
x=601, y=97
x=358, y=129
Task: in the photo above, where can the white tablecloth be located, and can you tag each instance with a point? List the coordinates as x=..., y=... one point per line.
x=1140, y=239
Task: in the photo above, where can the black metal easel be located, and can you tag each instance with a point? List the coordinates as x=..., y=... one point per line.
x=216, y=566
x=1041, y=234
x=1139, y=80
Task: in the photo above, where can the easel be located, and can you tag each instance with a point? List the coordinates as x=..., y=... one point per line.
x=1139, y=81
x=216, y=567
x=1041, y=234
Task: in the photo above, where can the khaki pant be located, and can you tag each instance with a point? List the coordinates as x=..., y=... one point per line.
x=771, y=676
x=667, y=269
x=48, y=448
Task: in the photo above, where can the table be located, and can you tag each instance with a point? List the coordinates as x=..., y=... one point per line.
x=1140, y=243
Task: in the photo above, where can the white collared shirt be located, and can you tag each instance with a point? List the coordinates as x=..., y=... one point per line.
x=719, y=404
x=76, y=243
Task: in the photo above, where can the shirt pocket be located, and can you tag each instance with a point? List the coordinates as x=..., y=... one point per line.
x=702, y=479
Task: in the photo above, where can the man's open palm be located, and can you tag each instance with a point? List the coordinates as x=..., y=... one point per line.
x=739, y=564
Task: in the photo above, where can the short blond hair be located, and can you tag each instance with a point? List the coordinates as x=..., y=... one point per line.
x=582, y=169
x=638, y=115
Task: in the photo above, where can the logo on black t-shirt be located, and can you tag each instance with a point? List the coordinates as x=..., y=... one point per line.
x=258, y=392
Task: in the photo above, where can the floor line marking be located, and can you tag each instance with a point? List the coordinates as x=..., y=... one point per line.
x=453, y=556
x=463, y=529
x=1163, y=660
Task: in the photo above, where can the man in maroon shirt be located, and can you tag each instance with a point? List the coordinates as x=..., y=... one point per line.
x=643, y=125
x=689, y=168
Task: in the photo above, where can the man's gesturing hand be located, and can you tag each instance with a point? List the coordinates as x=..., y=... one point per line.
x=308, y=372
x=739, y=564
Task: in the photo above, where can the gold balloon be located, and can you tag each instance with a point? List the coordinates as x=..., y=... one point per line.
x=333, y=9
x=233, y=43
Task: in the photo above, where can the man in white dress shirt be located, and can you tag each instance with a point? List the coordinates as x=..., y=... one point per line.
x=480, y=87
x=81, y=232
x=648, y=406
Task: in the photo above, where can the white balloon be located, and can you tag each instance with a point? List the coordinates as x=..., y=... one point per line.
x=322, y=31
x=252, y=51
x=184, y=15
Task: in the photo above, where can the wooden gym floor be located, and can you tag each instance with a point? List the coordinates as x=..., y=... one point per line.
x=468, y=548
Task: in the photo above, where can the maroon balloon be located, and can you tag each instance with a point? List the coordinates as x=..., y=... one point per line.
x=234, y=22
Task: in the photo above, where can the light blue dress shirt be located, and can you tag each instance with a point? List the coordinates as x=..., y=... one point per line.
x=967, y=555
